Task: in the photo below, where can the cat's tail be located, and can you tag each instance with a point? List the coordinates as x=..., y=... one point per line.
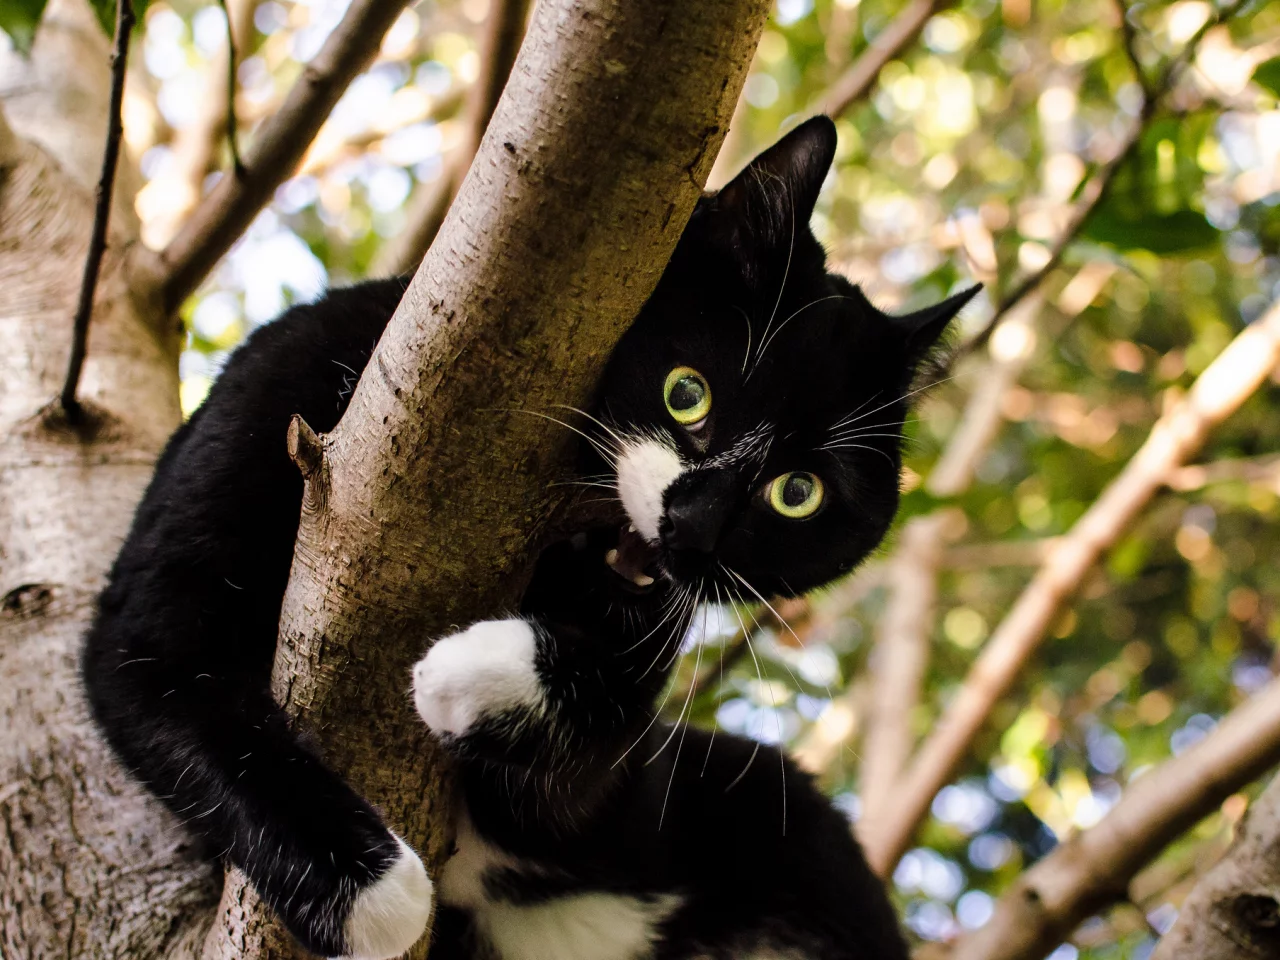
x=225, y=762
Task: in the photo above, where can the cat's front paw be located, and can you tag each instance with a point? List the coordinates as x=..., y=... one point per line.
x=388, y=916
x=486, y=673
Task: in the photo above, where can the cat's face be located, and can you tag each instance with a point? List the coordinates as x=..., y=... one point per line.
x=753, y=413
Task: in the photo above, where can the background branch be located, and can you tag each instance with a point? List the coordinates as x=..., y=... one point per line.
x=900, y=659
x=1233, y=913
x=1094, y=868
x=1236, y=373
x=271, y=157
x=430, y=201
x=1095, y=189
x=857, y=82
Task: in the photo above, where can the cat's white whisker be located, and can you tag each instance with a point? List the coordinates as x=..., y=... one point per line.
x=764, y=346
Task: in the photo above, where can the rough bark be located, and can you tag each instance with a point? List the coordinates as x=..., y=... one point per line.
x=420, y=514
x=89, y=865
x=1233, y=913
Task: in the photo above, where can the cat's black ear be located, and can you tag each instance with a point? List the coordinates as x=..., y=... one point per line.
x=922, y=329
x=770, y=202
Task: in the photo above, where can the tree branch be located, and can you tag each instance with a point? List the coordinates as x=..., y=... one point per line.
x=1236, y=373
x=1233, y=913
x=983, y=414
x=430, y=201
x=271, y=158
x=101, y=214
x=611, y=119
x=1096, y=188
x=900, y=659
x=1093, y=869
x=857, y=82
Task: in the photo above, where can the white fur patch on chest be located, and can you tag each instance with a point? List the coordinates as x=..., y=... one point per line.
x=581, y=926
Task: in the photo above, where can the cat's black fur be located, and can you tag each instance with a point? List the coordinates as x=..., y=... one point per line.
x=717, y=847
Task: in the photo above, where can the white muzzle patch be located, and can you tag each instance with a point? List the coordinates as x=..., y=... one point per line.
x=646, y=467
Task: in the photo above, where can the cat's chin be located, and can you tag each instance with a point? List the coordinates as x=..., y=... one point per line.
x=634, y=560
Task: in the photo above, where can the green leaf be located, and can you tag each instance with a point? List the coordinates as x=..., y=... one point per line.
x=1267, y=75
x=106, y=11
x=1182, y=231
x=18, y=18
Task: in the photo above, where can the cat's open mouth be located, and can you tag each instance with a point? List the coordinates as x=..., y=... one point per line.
x=634, y=559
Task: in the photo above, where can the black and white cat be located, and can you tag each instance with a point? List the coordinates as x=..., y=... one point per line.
x=749, y=423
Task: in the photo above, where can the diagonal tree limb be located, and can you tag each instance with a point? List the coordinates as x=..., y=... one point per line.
x=900, y=659
x=430, y=201
x=1230, y=380
x=174, y=273
x=421, y=513
x=1233, y=912
x=195, y=145
x=1093, y=869
x=856, y=83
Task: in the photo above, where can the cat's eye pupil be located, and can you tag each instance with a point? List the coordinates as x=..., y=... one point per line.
x=797, y=490
x=687, y=393
x=688, y=397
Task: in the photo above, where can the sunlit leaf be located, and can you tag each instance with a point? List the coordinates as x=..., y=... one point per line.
x=1267, y=75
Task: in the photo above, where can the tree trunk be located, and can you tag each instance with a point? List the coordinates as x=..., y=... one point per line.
x=89, y=864
x=1233, y=913
x=424, y=505
x=419, y=514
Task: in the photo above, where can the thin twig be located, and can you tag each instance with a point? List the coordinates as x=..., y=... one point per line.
x=1094, y=191
x=237, y=165
x=431, y=201
x=1129, y=42
x=272, y=156
x=857, y=82
x=101, y=212
x=1231, y=379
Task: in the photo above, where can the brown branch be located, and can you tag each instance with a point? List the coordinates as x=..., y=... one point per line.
x=1007, y=553
x=900, y=659
x=195, y=145
x=272, y=156
x=101, y=214
x=229, y=112
x=1095, y=868
x=1236, y=373
x=611, y=118
x=1233, y=913
x=857, y=82
x=983, y=412
x=1247, y=469
x=1096, y=188
x=430, y=202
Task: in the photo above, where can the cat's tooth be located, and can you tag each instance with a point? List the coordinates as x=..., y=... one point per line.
x=631, y=528
x=642, y=580
x=611, y=558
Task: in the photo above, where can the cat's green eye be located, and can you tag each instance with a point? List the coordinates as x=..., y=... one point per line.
x=795, y=495
x=688, y=396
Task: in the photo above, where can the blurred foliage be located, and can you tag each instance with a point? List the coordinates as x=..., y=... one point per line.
x=964, y=161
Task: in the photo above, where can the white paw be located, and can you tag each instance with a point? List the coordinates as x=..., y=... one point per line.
x=487, y=669
x=388, y=917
